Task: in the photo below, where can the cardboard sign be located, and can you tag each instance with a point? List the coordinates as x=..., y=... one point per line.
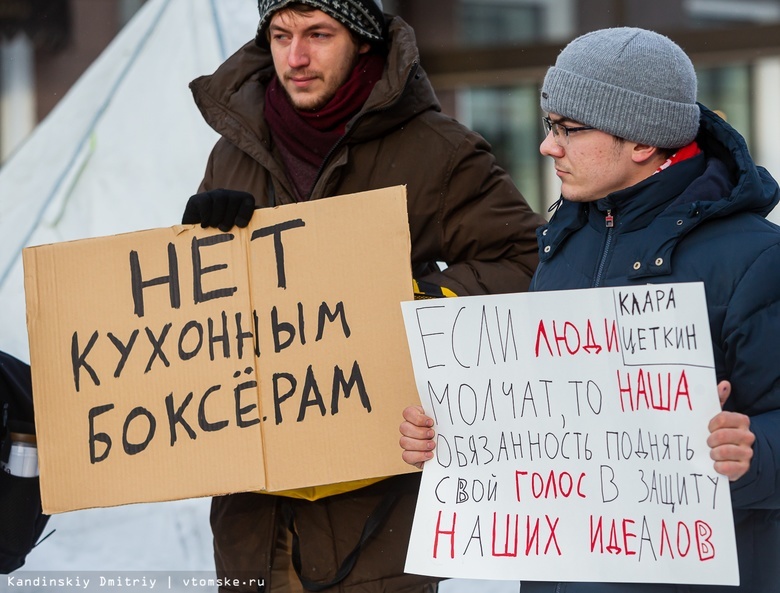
x=571, y=438
x=184, y=362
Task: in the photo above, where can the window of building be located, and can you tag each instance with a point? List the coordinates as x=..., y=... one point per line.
x=486, y=22
x=709, y=13
x=726, y=89
x=508, y=118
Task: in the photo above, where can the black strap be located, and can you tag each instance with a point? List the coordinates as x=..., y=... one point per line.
x=374, y=521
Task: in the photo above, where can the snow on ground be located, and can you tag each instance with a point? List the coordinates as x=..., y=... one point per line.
x=163, y=546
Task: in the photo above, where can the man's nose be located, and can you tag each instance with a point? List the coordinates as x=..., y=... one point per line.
x=549, y=147
x=299, y=53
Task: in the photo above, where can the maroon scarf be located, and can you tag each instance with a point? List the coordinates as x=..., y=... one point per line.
x=304, y=138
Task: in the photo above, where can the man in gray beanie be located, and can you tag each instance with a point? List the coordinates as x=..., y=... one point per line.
x=630, y=83
x=330, y=99
x=656, y=188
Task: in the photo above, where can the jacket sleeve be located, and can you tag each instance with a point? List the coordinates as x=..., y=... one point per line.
x=751, y=331
x=206, y=183
x=760, y=487
x=486, y=229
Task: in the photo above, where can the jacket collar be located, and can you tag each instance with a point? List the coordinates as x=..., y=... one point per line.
x=657, y=198
x=722, y=181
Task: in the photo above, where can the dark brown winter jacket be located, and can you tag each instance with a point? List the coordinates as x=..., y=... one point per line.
x=463, y=209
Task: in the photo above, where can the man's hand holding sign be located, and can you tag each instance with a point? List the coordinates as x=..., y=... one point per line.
x=730, y=440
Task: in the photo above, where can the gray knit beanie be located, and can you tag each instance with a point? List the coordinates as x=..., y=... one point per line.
x=628, y=82
x=362, y=17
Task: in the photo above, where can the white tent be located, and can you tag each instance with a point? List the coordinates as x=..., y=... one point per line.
x=124, y=149
x=121, y=152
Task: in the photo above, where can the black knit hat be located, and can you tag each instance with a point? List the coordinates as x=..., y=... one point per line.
x=362, y=17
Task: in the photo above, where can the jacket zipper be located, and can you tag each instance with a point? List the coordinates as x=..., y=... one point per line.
x=609, y=222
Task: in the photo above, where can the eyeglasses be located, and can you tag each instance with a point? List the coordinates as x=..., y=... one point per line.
x=561, y=132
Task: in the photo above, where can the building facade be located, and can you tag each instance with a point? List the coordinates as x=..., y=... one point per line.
x=45, y=45
x=486, y=59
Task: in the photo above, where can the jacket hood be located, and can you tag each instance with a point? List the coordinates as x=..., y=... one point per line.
x=232, y=98
x=754, y=189
x=403, y=92
x=724, y=181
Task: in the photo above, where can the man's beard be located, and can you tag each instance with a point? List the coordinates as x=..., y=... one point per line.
x=307, y=108
x=310, y=108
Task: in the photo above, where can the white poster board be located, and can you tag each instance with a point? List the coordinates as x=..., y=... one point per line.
x=571, y=438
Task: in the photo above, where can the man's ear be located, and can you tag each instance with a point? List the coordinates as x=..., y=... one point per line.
x=642, y=153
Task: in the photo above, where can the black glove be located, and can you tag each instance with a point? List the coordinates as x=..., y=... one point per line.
x=221, y=208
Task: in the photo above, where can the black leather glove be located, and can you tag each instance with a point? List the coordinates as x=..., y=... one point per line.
x=221, y=208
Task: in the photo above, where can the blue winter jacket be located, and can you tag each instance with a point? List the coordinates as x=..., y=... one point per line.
x=699, y=220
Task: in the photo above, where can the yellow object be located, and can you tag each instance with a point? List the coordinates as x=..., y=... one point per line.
x=317, y=492
x=426, y=290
